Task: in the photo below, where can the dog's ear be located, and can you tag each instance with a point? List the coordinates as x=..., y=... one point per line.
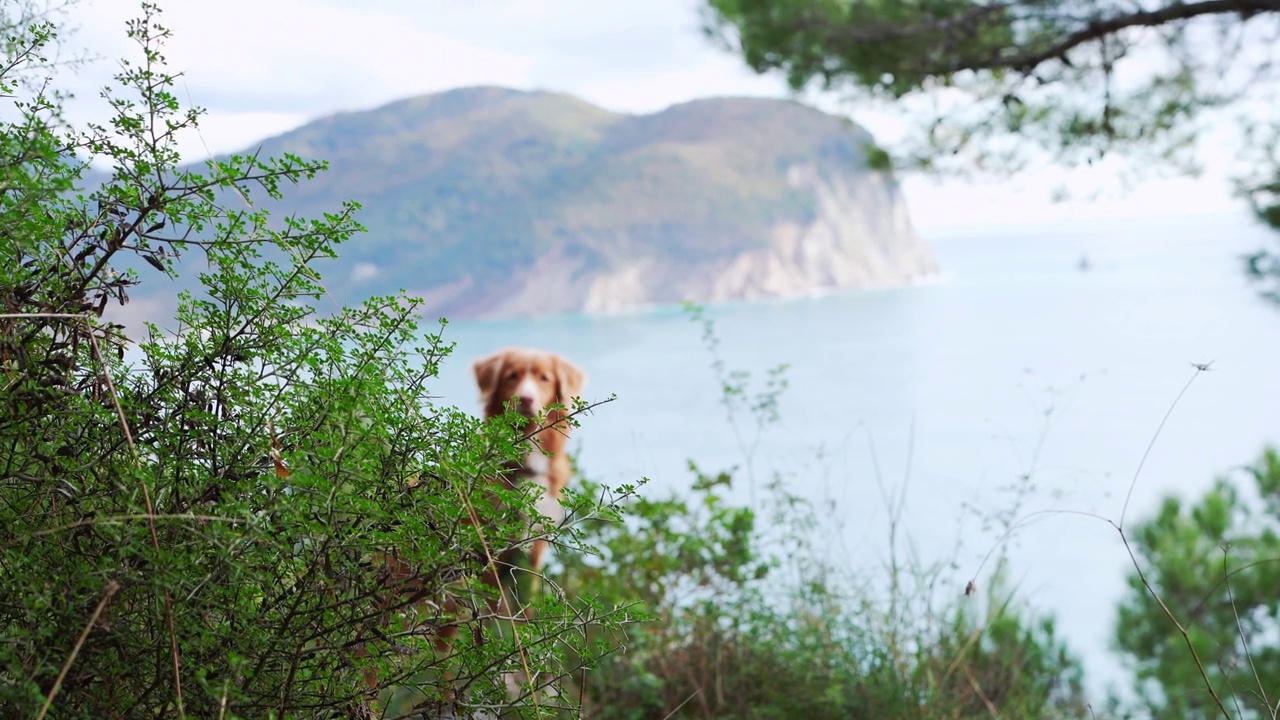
x=487, y=371
x=569, y=380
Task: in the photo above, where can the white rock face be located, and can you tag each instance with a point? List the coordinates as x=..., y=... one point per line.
x=861, y=238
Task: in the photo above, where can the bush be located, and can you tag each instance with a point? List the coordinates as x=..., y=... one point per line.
x=1211, y=567
x=749, y=616
x=751, y=620
x=198, y=525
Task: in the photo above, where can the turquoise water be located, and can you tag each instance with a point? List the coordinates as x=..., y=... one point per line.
x=950, y=389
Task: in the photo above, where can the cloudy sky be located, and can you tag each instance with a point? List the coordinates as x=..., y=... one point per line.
x=261, y=67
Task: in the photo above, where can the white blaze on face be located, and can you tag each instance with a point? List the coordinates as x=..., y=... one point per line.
x=529, y=393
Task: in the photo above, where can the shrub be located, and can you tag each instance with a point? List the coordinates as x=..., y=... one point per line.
x=746, y=621
x=196, y=525
x=749, y=614
x=1210, y=566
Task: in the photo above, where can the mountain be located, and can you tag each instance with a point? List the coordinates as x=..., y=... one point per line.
x=496, y=202
x=491, y=202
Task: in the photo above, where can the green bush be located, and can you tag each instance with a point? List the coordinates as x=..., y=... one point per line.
x=747, y=615
x=195, y=525
x=1213, y=568
x=744, y=621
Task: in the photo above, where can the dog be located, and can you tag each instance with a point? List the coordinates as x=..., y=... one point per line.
x=529, y=382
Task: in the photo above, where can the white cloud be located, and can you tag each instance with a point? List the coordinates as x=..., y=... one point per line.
x=312, y=57
x=273, y=65
x=720, y=76
x=1028, y=199
x=262, y=68
x=363, y=271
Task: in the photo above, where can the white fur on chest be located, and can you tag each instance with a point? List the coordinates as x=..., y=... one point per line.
x=539, y=467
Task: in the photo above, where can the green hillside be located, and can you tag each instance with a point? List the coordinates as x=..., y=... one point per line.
x=480, y=180
x=473, y=196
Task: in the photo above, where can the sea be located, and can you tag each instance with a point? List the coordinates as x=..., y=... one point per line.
x=1021, y=388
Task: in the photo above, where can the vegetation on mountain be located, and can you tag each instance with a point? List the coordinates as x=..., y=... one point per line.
x=482, y=182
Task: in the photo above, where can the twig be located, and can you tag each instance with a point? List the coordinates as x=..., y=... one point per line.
x=671, y=714
x=1244, y=641
x=222, y=703
x=974, y=635
x=107, y=593
x=43, y=316
x=538, y=428
x=1025, y=520
x=1119, y=527
x=1198, y=369
x=151, y=523
x=117, y=519
x=973, y=683
x=115, y=401
x=502, y=592
x=168, y=607
x=1169, y=613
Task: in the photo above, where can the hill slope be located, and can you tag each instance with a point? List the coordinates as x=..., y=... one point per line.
x=496, y=202
x=489, y=202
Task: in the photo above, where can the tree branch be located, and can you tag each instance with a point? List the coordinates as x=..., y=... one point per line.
x=838, y=35
x=1098, y=29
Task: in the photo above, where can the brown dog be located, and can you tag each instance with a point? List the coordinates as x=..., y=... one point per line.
x=529, y=381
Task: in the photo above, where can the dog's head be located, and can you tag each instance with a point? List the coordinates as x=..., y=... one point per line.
x=534, y=379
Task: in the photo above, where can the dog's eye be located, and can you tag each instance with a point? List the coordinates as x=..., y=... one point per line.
x=512, y=375
x=546, y=378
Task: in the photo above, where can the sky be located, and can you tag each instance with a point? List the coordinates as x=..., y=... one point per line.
x=263, y=67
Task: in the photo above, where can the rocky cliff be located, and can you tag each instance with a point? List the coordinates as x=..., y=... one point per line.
x=489, y=202
x=860, y=238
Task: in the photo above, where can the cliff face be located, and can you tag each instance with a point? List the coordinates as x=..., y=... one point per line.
x=488, y=202
x=860, y=238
